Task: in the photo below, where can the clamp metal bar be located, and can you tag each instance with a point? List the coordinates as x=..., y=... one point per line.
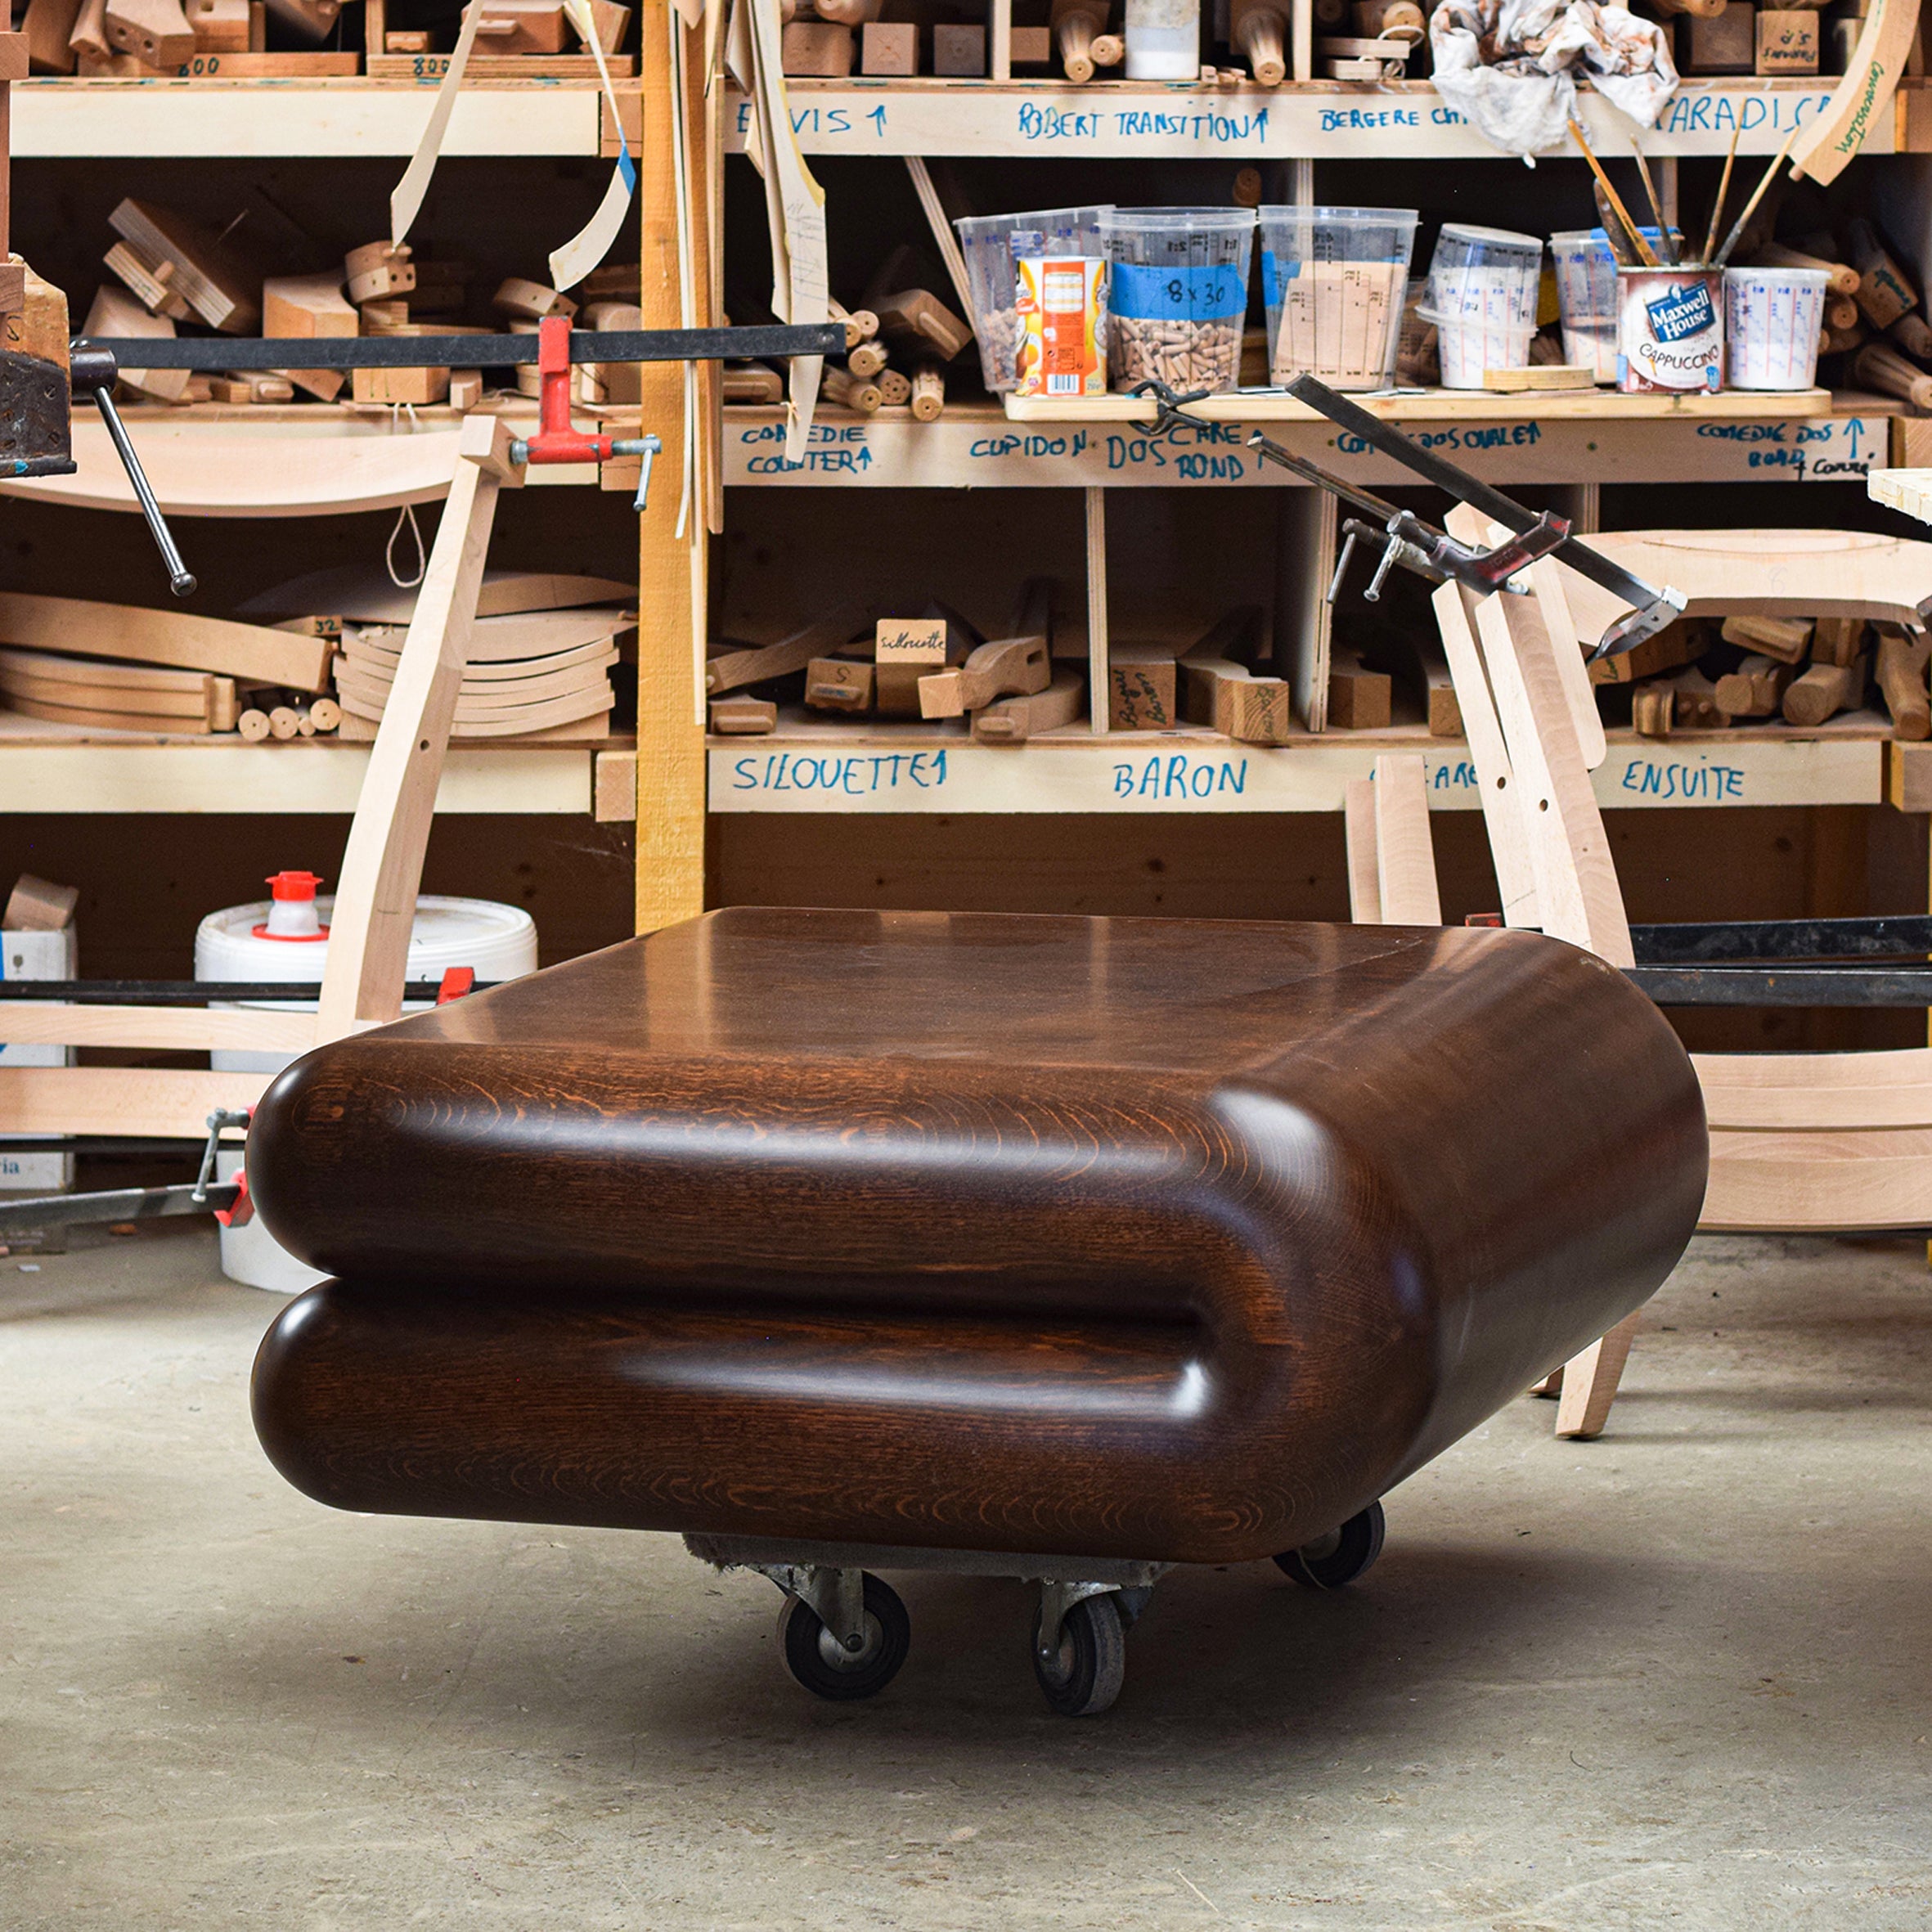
x=1646, y=599
x=211, y=354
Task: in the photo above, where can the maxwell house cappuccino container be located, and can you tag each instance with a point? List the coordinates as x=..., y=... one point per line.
x=1671, y=329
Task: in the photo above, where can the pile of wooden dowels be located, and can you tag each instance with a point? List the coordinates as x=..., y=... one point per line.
x=1695, y=675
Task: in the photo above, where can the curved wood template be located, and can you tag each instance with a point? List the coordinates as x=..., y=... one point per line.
x=1761, y=573
x=197, y=471
x=1864, y=95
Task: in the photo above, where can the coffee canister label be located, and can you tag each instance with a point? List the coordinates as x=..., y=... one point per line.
x=1670, y=333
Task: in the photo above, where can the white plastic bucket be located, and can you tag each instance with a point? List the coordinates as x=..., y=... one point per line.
x=1771, y=320
x=495, y=942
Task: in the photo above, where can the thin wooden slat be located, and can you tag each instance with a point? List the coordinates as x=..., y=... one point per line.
x=1404, y=852
x=165, y=1101
x=1364, y=883
x=184, y=1029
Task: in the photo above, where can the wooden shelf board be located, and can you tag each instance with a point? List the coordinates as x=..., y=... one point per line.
x=810, y=767
x=1447, y=406
x=251, y=460
x=977, y=446
x=249, y=119
x=65, y=768
x=1322, y=119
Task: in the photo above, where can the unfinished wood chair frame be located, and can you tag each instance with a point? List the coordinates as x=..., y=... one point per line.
x=375, y=896
x=1800, y=1143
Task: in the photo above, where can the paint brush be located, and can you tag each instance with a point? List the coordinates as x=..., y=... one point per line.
x=1613, y=232
x=1671, y=255
x=1751, y=207
x=1645, y=254
x=1717, y=208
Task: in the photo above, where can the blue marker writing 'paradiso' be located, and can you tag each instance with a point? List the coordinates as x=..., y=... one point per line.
x=1179, y=294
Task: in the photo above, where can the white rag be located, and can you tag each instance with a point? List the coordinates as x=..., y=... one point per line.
x=1509, y=66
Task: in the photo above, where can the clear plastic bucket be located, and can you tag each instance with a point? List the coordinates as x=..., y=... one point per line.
x=1332, y=279
x=987, y=241
x=1587, y=297
x=1176, y=294
x=1482, y=298
x=1771, y=320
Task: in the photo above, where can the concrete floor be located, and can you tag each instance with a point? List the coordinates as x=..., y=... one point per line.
x=1679, y=1676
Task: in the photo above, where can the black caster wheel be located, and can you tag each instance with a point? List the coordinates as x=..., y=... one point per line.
x=1083, y=1676
x=1340, y=1556
x=826, y=1667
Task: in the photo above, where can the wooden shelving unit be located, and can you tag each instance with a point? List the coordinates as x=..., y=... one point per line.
x=61, y=768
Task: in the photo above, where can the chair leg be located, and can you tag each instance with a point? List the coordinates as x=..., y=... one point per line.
x=1590, y=1382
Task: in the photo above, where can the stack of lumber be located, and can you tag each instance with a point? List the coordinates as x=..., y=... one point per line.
x=1791, y=670
x=540, y=652
x=109, y=667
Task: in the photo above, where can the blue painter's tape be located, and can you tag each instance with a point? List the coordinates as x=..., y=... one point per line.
x=1146, y=294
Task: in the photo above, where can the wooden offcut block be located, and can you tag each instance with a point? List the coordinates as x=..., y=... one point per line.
x=1721, y=43
x=1359, y=699
x=1032, y=47
x=220, y=26
x=960, y=53
x=816, y=49
x=419, y=386
x=838, y=684
x=889, y=48
x=1140, y=687
x=1787, y=41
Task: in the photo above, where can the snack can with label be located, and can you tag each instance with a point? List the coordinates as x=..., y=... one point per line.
x=1060, y=304
x=1671, y=329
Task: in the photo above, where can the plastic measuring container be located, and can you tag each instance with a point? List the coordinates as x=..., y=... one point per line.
x=1586, y=296
x=987, y=241
x=1176, y=294
x=1771, y=320
x=1482, y=294
x=1332, y=280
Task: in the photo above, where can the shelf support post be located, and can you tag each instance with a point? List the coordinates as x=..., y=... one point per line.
x=672, y=623
x=1099, y=678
